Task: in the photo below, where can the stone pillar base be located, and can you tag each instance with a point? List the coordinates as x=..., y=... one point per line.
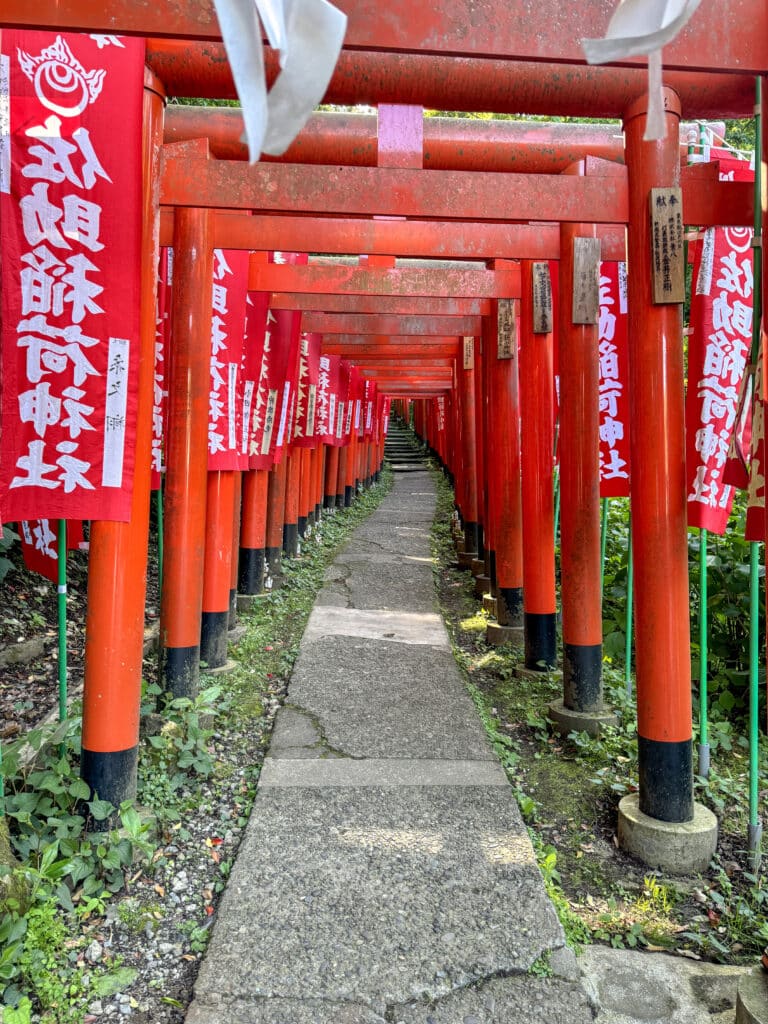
x=564, y=720
x=466, y=558
x=752, y=998
x=247, y=601
x=489, y=604
x=496, y=635
x=681, y=848
x=482, y=585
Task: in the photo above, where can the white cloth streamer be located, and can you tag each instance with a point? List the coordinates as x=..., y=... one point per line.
x=643, y=27
x=308, y=35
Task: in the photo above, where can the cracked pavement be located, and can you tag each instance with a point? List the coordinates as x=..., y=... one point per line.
x=386, y=874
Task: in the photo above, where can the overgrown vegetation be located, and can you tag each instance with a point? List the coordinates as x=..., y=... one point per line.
x=568, y=789
x=57, y=879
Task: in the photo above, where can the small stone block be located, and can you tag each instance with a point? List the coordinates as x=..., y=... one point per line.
x=482, y=585
x=489, y=604
x=478, y=566
x=752, y=998
x=466, y=558
x=236, y=634
x=536, y=673
x=245, y=602
x=229, y=666
x=680, y=848
x=497, y=635
x=460, y=545
x=565, y=721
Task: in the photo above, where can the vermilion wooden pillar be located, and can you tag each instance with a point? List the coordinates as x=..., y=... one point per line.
x=504, y=459
x=537, y=439
x=186, y=453
x=275, y=517
x=253, y=532
x=331, y=476
x=306, y=503
x=469, y=513
x=117, y=569
x=237, y=507
x=480, y=407
x=217, y=573
x=658, y=491
x=341, y=476
x=292, y=487
x=580, y=570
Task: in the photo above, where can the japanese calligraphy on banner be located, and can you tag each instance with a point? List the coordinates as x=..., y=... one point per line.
x=371, y=389
x=613, y=384
x=253, y=370
x=162, y=347
x=327, y=398
x=718, y=351
x=230, y=287
x=305, y=432
x=70, y=234
x=40, y=544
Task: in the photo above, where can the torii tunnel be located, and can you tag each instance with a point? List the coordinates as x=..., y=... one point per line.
x=431, y=246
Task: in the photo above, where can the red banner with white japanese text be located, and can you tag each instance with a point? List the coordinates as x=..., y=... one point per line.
x=70, y=236
x=371, y=389
x=343, y=406
x=614, y=381
x=225, y=407
x=718, y=352
x=40, y=544
x=162, y=350
x=327, y=398
x=305, y=433
x=254, y=370
x=755, y=525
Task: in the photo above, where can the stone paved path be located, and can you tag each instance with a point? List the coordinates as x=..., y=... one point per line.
x=386, y=874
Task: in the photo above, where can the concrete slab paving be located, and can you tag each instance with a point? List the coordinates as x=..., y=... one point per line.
x=386, y=874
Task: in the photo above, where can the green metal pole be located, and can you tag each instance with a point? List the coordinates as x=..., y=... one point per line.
x=755, y=828
x=557, y=503
x=603, y=539
x=160, y=539
x=62, y=607
x=630, y=609
x=754, y=832
x=703, y=658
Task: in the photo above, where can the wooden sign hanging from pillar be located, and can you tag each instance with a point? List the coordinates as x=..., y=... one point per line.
x=586, y=280
x=667, y=255
x=505, y=329
x=469, y=353
x=542, y=299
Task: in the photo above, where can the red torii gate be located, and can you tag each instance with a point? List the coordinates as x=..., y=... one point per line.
x=726, y=38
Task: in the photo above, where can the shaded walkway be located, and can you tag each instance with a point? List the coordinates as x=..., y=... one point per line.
x=386, y=874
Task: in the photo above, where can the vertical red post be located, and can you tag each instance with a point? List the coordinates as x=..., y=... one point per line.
x=253, y=532
x=466, y=376
x=341, y=476
x=331, y=476
x=658, y=490
x=306, y=504
x=291, y=518
x=537, y=440
x=237, y=507
x=351, y=467
x=504, y=457
x=275, y=518
x=117, y=570
x=580, y=573
x=217, y=570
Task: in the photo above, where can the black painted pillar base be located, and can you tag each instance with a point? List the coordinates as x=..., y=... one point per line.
x=470, y=537
x=329, y=501
x=180, y=670
x=111, y=776
x=232, y=616
x=349, y=493
x=480, y=542
x=666, y=779
x=340, y=500
x=250, y=575
x=274, y=561
x=492, y=571
x=302, y=526
x=291, y=539
x=540, y=641
x=509, y=606
x=213, y=639
x=583, y=677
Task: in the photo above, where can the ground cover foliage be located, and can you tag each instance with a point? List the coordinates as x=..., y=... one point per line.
x=568, y=789
x=111, y=925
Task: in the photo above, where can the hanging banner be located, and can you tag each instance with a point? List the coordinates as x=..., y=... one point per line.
x=327, y=398
x=755, y=525
x=718, y=351
x=306, y=431
x=371, y=388
x=162, y=347
x=40, y=544
x=613, y=384
x=70, y=236
x=225, y=408
x=252, y=370
x=344, y=405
